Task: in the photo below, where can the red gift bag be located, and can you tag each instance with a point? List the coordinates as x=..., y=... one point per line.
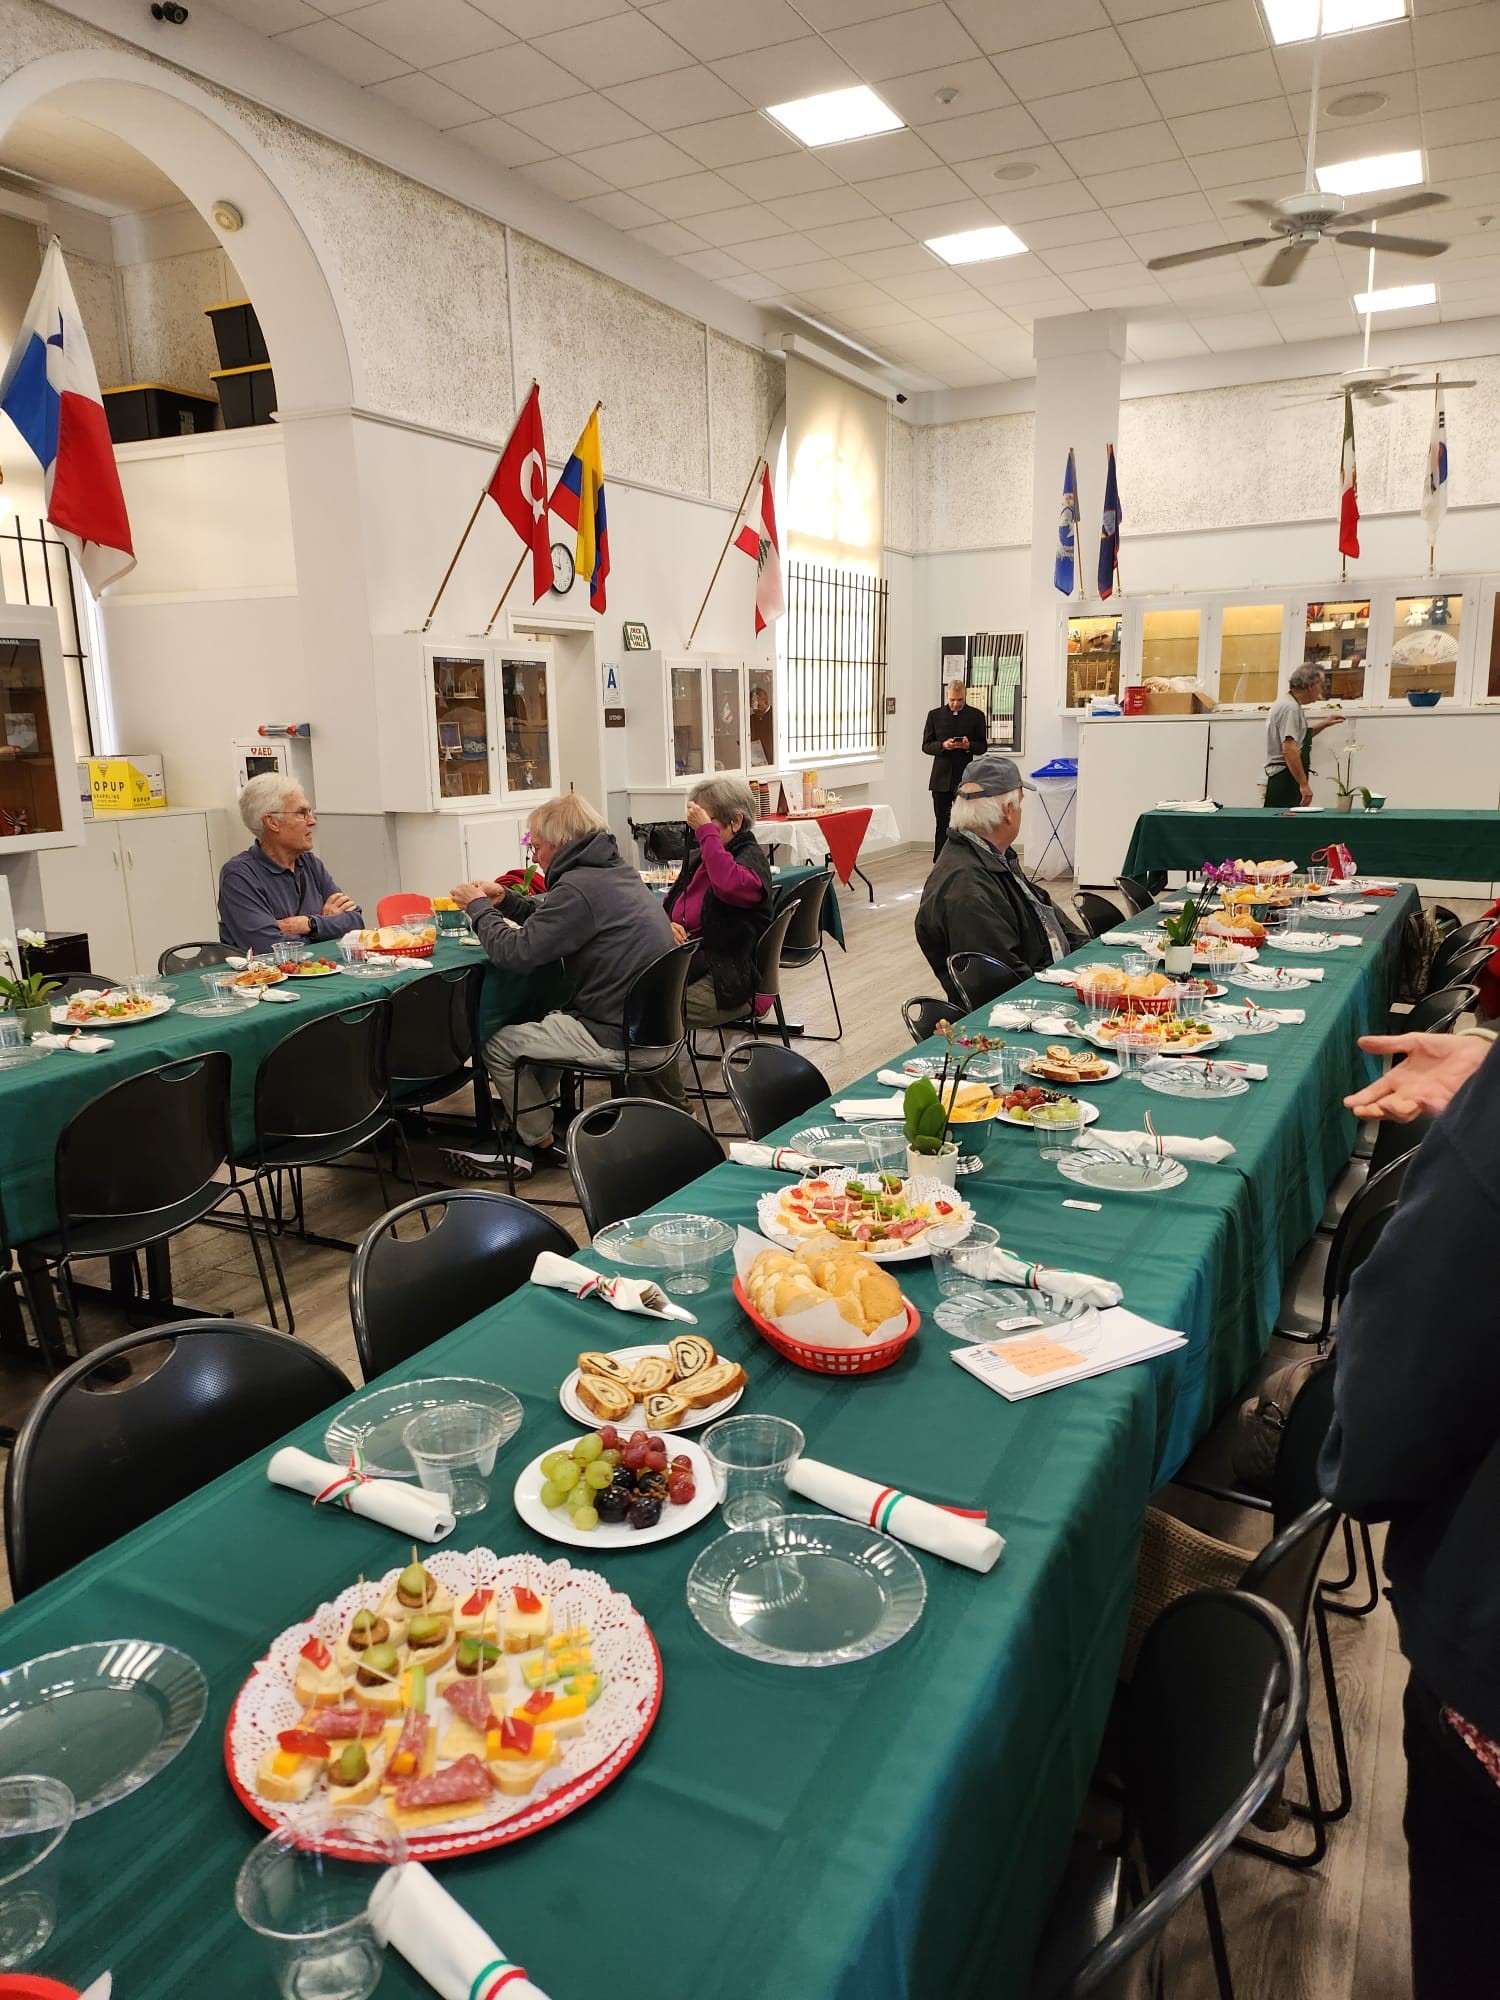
x=1338, y=860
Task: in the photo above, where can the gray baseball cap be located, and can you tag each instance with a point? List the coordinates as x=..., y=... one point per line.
x=991, y=776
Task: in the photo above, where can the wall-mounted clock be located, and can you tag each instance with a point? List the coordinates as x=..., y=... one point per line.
x=563, y=571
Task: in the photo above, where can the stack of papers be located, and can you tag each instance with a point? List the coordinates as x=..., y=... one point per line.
x=1025, y=1364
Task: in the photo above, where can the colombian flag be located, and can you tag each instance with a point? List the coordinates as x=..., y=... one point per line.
x=579, y=497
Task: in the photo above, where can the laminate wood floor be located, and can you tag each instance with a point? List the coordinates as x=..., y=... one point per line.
x=1338, y=1934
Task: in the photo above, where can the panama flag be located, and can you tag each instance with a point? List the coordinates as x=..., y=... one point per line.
x=518, y=488
x=1067, y=531
x=51, y=394
x=756, y=535
x=1435, y=487
x=1109, y=530
x=579, y=497
x=1349, y=487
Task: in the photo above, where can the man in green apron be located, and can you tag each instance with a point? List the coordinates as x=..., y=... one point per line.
x=1289, y=737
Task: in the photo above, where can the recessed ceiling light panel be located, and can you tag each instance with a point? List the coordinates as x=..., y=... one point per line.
x=1297, y=20
x=1395, y=298
x=977, y=246
x=1372, y=175
x=835, y=116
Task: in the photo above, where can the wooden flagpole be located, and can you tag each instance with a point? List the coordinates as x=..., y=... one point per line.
x=749, y=485
x=453, y=563
x=1437, y=390
x=525, y=552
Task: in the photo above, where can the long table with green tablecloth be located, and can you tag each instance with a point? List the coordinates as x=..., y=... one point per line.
x=891, y=1830
x=1425, y=845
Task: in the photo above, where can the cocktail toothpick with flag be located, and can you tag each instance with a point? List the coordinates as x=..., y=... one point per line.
x=1435, y=484
x=1348, y=488
x=1109, y=529
x=1065, y=562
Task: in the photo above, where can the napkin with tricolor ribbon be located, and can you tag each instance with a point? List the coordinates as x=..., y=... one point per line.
x=781, y=1159
x=411, y=1510
x=1225, y=1010
x=414, y=1914
x=1004, y=1269
x=1056, y=975
x=77, y=1043
x=960, y=1537
x=1003, y=1016
x=1150, y=1145
x=626, y=1295
x=852, y=1109
x=1145, y=939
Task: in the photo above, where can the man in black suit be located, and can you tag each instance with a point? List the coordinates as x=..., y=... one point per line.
x=954, y=733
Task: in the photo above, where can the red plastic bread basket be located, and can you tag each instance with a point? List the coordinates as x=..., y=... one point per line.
x=830, y=1360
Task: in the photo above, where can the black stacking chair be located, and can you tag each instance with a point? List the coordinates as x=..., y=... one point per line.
x=80, y=982
x=1098, y=912
x=1481, y=931
x=768, y=964
x=978, y=977
x=769, y=1086
x=631, y=1153
x=195, y=957
x=1137, y=896
x=1458, y=967
x=661, y=840
x=465, y=1250
x=90, y=1465
x=1341, y=1254
x=804, y=944
x=1215, y=1708
x=434, y=1036
x=1438, y=1012
x=923, y=1016
x=1392, y=1142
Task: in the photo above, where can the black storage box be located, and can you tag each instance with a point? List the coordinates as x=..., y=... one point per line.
x=153, y=410
x=246, y=395
x=237, y=334
x=60, y=953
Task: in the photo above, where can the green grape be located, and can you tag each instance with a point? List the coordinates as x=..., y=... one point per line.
x=551, y=1462
x=565, y=1476
x=552, y=1495
x=597, y=1475
x=610, y=1457
x=586, y=1519
x=587, y=1449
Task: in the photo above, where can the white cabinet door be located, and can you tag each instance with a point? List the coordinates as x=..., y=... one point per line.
x=83, y=889
x=169, y=881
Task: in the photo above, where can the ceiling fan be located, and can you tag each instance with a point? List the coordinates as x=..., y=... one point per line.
x=1378, y=385
x=1298, y=221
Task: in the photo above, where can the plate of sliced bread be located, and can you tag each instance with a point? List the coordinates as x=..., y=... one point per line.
x=675, y=1387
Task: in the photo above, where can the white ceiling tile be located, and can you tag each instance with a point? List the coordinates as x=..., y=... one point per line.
x=729, y=227
x=1214, y=86
x=1097, y=293
x=1458, y=35
x=821, y=271
x=713, y=28
x=338, y=48
x=901, y=192
x=510, y=79
x=271, y=17
x=680, y=97
x=871, y=319
x=995, y=27
x=794, y=69
x=948, y=218
x=900, y=43
x=499, y=140
x=850, y=296
x=528, y=18
x=1094, y=256
x=687, y=195
x=1347, y=59
x=623, y=211
x=1055, y=230
x=1078, y=112
x=1189, y=236
x=876, y=232
x=864, y=160
x=985, y=135
x=1459, y=83
x=668, y=237
x=588, y=115
x=426, y=32
x=617, y=49
x=1142, y=145
x=822, y=207
x=727, y=142
x=564, y=178
x=979, y=86
x=758, y=290
x=1120, y=11
x=1457, y=163
x=635, y=163
x=338, y=6
x=1082, y=62
x=1252, y=124
x=825, y=14
x=434, y=103
x=1021, y=205
x=791, y=173
x=897, y=262
x=1151, y=340
x=781, y=251
x=712, y=263
x=1203, y=33
x=1145, y=183
x=937, y=283
x=1276, y=167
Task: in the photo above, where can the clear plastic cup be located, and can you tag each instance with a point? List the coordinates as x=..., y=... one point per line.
x=286, y=951
x=885, y=1145
x=1056, y=1127
x=1134, y=1048
x=146, y=984
x=453, y=1447
x=35, y=1814
x=12, y=1035
x=312, y=1893
x=1136, y=964
x=353, y=948
x=688, y=1245
x=749, y=1457
x=219, y=987
x=959, y=1267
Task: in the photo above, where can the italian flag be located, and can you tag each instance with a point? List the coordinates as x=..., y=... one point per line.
x=1348, y=487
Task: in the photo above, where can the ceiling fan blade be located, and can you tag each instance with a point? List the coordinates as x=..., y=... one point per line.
x=1404, y=246
x=1406, y=204
x=1423, y=388
x=1209, y=250
x=1257, y=206
x=1287, y=262
x=1296, y=402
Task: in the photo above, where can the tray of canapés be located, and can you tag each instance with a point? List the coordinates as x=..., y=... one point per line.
x=110, y=1006
x=893, y=1220
x=1059, y=1064
x=472, y=1698
x=1165, y=1034
x=664, y=1388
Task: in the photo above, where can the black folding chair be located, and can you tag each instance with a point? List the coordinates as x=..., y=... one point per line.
x=195, y=957
x=1098, y=912
x=89, y=1466
x=465, y=1249
x=1436, y=1013
x=661, y=840
x=1459, y=967
x=1137, y=896
x=978, y=977
x=629, y=1154
x=1369, y=1209
x=804, y=944
x=923, y=1017
x=80, y=982
x=434, y=1039
x=769, y=1086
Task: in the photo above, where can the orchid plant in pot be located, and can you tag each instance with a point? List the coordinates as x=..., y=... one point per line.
x=927, y=1108
x=1351, y=797
x=25, y=994
x=1179, y=933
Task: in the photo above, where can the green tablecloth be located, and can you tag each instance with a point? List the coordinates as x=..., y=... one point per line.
x=890, y=1831
x=1428, y=846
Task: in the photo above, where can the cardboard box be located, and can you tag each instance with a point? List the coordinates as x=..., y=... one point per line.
x=1160, y=702
x=133, y=782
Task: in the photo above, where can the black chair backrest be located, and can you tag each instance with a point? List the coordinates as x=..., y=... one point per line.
x=1294, y=1478
x=1285, y=1573
x=630, y=1153
x=805, y=938
x=433, y=1023
x=1481, y=931
x=1369, y=1209
x=408, y=1289
x=1098, y=912
x=1458, y=968
x=1199, y=1754
x=1393, y=1142
x=93, y=1462
x=101, y=1166
x=195, y=957
x=653, y=1017
x=978, y=977
x=769, y=1085
x=662, y=840
x=769, y=948
x=81, y=982
x=1137, y=896
x=922, y=1017
x=326, y=1077
x=1436, y=1013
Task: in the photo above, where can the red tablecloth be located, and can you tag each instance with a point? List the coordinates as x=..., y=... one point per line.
x=844, y=831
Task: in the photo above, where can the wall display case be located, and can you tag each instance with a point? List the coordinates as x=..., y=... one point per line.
x=1425, y=643
x=1171, y=637
x=687, y=718
x=1250, y=652
x=464, y=726
x=761, y=725
x=1336, y=636
x=1094, y=655
x=39, y=794
x=726, y=695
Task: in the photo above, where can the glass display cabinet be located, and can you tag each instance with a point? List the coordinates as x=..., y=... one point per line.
x=1337, y=637
x=1249, y=652
x=686, y=687
x=1424, y=645
x=1093, y=659
x=761, y=682
x=39, y=785
x=524, y=699
x=726, y=695
x=688, y=718
x=466, y=727
x=1169, y=643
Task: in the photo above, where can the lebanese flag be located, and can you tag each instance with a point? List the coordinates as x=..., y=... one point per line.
x=1349, y=487
x=50, y=392
x=519, y=489
x=756, y=535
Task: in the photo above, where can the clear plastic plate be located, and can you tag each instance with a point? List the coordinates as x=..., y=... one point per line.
x=1101, y=1170
x=1260, y=977
x=1184, y=1076
x=838, y=1145
x=104, y=1717
x=374, y=1422
x=628, y=1242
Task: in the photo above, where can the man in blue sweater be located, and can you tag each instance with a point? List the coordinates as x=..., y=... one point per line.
x=278, y=888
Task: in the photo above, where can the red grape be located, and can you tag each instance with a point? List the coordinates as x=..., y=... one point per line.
x=680, y=1490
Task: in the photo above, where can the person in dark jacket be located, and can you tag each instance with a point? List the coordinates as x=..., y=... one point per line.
x=977, y=897
x=598, y=918
x=1415, y=1441
x=954, y=734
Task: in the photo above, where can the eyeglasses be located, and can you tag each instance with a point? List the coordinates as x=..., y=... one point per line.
x=302, y=812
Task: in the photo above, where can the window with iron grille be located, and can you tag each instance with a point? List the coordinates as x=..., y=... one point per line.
x=834, y=633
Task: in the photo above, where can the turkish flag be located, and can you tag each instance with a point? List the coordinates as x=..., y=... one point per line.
x=519, y=490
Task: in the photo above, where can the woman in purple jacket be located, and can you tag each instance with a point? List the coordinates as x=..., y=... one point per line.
x=722, y=898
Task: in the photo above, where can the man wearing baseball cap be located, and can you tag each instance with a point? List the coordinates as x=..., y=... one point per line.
x=977, y=897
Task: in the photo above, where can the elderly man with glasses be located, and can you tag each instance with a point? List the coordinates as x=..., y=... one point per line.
x=278, y=888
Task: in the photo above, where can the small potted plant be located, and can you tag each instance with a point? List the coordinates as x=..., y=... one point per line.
x=1179, y=932
x=25, y=994
x=1351, y=797
x=927, y=1109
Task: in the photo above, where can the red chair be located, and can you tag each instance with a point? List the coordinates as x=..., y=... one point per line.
x=397, y=908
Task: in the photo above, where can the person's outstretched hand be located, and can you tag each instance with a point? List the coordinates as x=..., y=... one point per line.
x=1435, y=1069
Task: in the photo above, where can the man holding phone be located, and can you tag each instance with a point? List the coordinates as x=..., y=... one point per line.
x=955, y=733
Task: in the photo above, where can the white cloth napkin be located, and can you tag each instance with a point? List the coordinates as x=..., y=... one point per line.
x=1313, y=940
x=411, y=1510
x=1005, y=1269
x=437, y=1937
x=1036, y=1024
x=1225, y=1010
x=1055, y=975
x=1187, y=805
x=1348, y=909
x=960, y=1539
x=853, y=1109
x=745, y=1153
x=1254, y=1072
x=1141, y=1145
x=1147, y=940
x=81, y=1045
x=1357, y=882
x=1300, y=972
x=566, y=1274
